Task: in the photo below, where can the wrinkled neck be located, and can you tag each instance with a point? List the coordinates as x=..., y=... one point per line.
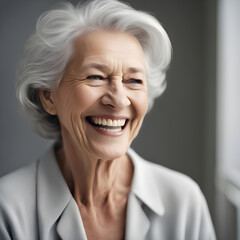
x=92, y=181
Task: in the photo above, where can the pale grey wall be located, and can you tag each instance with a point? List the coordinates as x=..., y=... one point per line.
x=19, y=145
x=175, y=133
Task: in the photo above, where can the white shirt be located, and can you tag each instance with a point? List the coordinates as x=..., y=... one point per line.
x=36, y=203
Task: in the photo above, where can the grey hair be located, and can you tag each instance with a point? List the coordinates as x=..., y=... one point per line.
x=49, y=49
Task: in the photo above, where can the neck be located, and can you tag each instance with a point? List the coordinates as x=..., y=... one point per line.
x=93, y=181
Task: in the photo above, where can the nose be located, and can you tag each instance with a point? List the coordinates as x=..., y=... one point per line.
x=116, y=96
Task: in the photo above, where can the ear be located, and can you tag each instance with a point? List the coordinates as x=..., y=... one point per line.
x=47, y=102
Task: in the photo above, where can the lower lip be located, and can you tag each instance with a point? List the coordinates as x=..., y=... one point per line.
x=107, y=133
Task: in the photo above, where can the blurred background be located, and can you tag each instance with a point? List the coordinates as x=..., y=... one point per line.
x=194, y=126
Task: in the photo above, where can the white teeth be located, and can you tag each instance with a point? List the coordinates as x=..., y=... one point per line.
x=104, y=122
x=109, y=122
x=115, y=124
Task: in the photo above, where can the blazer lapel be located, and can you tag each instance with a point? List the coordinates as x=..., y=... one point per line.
x=137, y=222
x=144, y=192
x=70, y=225
x=56, y=206
x=53, y=194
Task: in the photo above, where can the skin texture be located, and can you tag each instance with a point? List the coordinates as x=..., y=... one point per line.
x=105, y=78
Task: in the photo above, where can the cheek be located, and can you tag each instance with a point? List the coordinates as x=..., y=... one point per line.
x=81, y=98
x=140, y=104
x=72, y=101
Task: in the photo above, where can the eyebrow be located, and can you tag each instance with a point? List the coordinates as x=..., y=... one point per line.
x=136, y=70
x=104, y=67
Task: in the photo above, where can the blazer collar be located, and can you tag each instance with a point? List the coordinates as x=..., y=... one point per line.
x=55, y=202
x=144, y=184
x=144, y=193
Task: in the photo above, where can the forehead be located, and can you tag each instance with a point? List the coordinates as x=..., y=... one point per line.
x=108, y=44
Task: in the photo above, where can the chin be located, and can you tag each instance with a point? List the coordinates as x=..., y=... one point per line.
x=110, y=152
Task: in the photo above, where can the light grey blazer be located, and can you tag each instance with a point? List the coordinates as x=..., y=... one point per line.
x=35, y=203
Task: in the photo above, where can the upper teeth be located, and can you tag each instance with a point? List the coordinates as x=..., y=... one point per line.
x=109, y=122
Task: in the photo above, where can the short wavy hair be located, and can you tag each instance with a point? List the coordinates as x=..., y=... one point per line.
x=49, y=49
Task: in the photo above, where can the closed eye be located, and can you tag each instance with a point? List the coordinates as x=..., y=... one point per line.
x=95, y=77
x=135, y=81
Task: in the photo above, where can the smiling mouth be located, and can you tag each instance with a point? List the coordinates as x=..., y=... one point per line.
x=107, y=124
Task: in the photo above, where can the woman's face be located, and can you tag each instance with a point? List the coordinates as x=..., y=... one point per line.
x=102, y=98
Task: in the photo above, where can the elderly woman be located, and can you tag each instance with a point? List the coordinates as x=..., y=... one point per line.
x=88, y=78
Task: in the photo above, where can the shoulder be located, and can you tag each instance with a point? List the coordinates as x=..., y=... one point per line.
x=172, y=183
x=175, y=190
x=18, y=185
x=164, y=180
x=18, y=202
x=172, y=191
x=176, y=197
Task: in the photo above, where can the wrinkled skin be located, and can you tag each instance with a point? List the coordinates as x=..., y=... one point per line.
x=106, y=79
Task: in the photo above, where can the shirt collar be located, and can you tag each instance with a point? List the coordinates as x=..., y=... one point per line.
x=144, y=184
